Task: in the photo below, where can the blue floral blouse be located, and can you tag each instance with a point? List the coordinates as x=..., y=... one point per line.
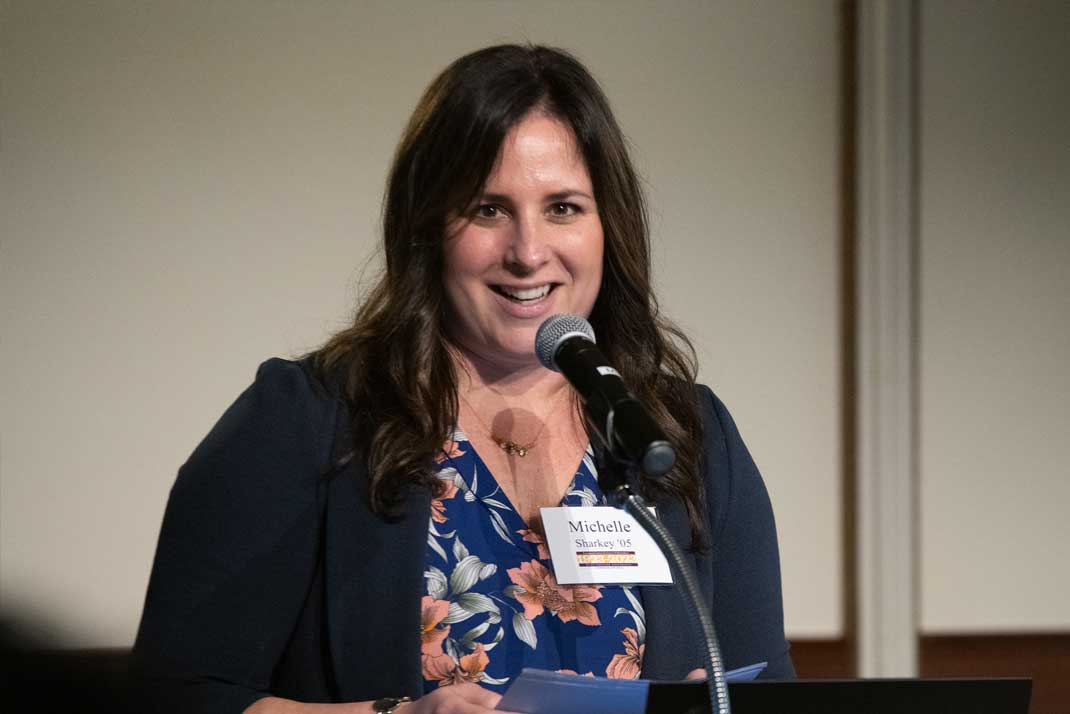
x=492, y=605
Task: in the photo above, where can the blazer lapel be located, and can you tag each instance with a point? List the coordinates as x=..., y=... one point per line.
x=672, y=649
x=374, y=571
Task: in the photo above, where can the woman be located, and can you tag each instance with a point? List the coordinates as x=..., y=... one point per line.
x=364, y=524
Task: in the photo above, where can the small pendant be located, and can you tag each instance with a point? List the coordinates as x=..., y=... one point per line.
x=511, y=447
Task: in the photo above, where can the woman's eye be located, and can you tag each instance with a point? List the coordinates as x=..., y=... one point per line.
x=488, y=210
x=563, y=209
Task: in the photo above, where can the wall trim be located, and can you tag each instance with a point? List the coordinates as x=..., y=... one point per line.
x=848, y=78
x=823, y=658
x=886, y=510
x=1044, y=657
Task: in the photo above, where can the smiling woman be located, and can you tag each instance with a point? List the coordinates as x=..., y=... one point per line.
x=363, y=526
x=532, y=247
x=511, y=175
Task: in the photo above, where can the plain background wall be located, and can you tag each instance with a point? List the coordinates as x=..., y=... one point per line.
x=994, y=307
x=189, y=188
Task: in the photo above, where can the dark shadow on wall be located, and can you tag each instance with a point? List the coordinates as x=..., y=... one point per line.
x=36, y=675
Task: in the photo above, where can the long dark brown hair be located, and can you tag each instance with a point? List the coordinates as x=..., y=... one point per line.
x=393, y=362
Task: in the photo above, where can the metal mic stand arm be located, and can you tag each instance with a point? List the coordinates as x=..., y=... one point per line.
x=621, y=496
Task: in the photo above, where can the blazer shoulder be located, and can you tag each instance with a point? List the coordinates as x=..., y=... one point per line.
x=728, y=468
x=719, y=428
x=275, y=437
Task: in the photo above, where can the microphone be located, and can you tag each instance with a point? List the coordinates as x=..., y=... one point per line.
x=565, y=343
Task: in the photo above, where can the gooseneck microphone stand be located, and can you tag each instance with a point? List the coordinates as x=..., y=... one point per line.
x=615, y=484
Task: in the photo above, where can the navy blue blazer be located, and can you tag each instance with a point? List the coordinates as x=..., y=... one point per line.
x=270, y=559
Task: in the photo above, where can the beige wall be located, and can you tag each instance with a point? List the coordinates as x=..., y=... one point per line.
x=995, y=316
x=189, y=188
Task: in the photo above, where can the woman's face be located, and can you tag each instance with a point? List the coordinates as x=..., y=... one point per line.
x=530, y=246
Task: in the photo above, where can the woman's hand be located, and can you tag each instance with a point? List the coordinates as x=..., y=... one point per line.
x=696, y=674
x=462, y=698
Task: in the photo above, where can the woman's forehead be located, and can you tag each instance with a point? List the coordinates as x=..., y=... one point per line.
x=539, y=153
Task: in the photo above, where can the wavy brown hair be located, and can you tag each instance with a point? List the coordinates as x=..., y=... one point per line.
x=393, y=363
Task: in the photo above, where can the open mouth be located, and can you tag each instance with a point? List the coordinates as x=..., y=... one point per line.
x=524, y=296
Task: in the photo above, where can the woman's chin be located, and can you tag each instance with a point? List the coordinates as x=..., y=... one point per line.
x=513, y=354
x=520, y=356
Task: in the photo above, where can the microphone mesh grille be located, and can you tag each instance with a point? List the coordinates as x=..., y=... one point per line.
x=555, y=330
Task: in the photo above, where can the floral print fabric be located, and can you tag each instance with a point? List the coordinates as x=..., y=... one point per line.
x=492, y=605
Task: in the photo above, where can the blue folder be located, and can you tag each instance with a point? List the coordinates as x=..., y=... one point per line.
x=538, y=691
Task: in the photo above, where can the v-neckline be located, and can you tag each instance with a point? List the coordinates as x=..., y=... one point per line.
x=479, y=464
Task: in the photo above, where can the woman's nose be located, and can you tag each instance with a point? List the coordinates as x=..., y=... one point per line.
x=528, y=248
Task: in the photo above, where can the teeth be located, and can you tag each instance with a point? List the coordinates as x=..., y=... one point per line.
x=529, y=294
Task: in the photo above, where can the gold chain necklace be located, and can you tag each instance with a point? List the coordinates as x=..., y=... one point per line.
x=515, y=448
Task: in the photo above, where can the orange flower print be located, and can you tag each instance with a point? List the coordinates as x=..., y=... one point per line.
x=438, y=508
x=574, y=672
x=541, y=592
x=443, y=669
x=627, y=665
x=533, y=537
x=434, y=612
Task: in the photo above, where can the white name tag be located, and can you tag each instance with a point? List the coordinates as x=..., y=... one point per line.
x=601, y=545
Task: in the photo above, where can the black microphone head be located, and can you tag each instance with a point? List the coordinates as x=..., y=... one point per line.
x=555, y=330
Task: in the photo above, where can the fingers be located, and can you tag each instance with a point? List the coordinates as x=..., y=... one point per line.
x=461, y=698
x=481, y=697
x=697, y=674
x=477, y=695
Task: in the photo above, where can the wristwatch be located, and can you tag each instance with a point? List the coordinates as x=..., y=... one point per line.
x=388, y=705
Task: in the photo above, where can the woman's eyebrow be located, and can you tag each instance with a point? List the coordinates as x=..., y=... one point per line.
x=569, y=193
x=555, y=196
x=496, y=197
